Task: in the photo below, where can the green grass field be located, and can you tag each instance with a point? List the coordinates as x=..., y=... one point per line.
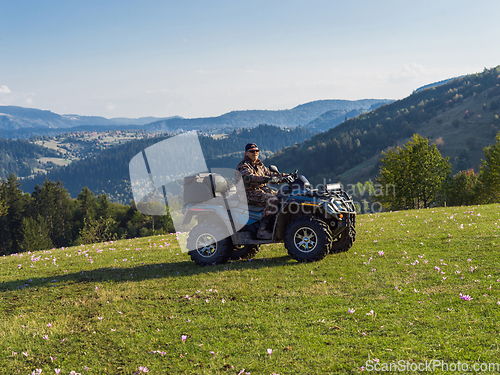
x=417, y=286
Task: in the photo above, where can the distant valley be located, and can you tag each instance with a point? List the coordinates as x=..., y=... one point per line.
x=107, y=171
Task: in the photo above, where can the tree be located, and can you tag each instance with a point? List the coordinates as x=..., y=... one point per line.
x=97, y=225
x=97, y=230
x=5, y=238
x=463, y=189
x=411, y=176
x=462, y=161
x=35, y=234
x=87, y=203
x=489, y=171
x=17, y=203
x=3, y=205
x=362, y=195
x=103, y=206
x=53, y=202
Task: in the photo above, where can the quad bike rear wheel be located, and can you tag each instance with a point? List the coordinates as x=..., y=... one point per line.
x=307, y=239
x=209, y=243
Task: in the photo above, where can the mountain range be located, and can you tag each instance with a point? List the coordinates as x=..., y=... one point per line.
x=12, y=117
x=19, y=122
x=300, y=115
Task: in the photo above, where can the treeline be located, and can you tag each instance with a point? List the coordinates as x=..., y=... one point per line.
x=49, y=218
x=418, y=176
x=330, y=154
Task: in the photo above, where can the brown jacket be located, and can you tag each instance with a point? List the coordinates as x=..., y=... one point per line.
x=255, y=175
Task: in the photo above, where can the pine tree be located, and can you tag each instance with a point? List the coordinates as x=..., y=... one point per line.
x=53, y=202
x=489, y=171
x=3, y=205
x=35, y=234
x=87, y=203
x=11, y=237
x=5, y=238
x=103, y=206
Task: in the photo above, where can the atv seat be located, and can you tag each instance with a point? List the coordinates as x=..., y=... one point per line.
x=234, y=201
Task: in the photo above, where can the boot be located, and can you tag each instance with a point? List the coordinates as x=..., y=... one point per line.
x=263, y=233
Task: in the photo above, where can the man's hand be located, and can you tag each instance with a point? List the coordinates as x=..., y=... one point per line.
x=274, y=180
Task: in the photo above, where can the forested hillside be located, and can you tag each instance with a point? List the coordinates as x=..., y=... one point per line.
x=331, y=119
x=19, y=157
x=107, y=172
x=269, y=138
x=460, y=117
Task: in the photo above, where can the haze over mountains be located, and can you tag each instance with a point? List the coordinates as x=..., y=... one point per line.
x=18, y=122
x=12, y=117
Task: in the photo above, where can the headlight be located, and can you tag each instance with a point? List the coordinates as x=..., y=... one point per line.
x=331, y=209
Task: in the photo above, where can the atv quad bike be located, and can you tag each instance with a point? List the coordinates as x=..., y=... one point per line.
x=310, y=222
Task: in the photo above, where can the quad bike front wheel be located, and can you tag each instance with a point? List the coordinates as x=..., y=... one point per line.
x=307, y=239
x=346, y=239
x=209, y=244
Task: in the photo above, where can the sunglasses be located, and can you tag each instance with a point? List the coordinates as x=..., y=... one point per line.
x=254, y=151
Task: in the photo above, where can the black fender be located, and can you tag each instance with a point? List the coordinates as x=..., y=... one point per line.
x=208, y=214
x=292, y=209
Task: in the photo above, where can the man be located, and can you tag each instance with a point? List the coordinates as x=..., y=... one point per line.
x=255, y=177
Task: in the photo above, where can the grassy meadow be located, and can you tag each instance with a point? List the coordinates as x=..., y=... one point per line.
x=417, y=286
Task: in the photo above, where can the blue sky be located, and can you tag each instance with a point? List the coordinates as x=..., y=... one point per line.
x=206, y=58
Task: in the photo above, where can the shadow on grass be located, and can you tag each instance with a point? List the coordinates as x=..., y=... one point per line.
x=145, y=272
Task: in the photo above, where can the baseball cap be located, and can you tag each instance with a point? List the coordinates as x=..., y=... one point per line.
x=251, y=146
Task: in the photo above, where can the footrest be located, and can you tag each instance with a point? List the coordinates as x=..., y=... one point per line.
x=247, y=238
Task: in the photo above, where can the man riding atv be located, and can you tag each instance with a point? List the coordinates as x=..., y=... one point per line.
x=310, y=222
x=255, y=176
